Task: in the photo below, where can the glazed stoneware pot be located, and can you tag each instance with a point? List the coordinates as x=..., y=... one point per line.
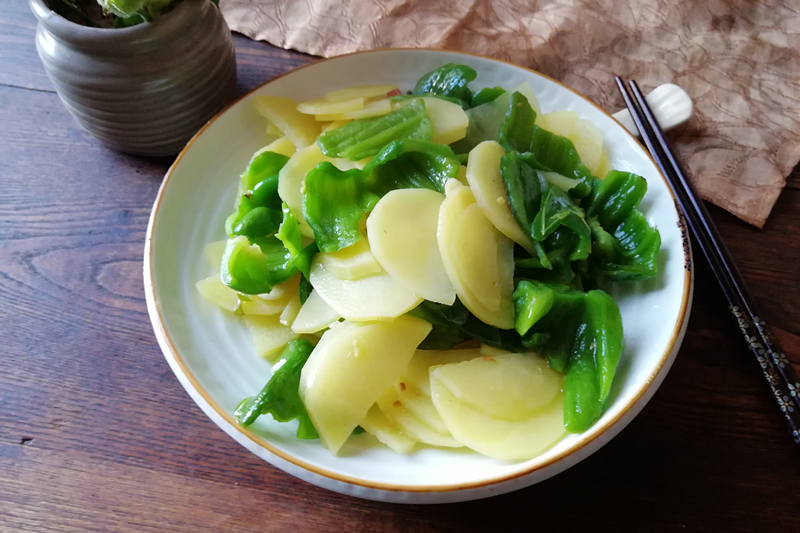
x=146, y=89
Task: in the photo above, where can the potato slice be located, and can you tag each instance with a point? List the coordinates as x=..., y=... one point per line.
x=491, y=351
x=371, y=297
x=483, y=176
x=402, y=236
x=359, y=91
x=290, y=312
x=273, y=130
x=350, y=367
x=301, y=129
x=449, y=120
x=279, y=291
x=588, y=141
x=500, y=439
x=395, y=410
x=605, y=166
x=213, y=253
x=558, y=122
x=315, y=315
x=479, y=260
x=321, y=106
x=255, y=305
x=354, y=262
x=417, y=373
x=506, y=387
x=462, y=175
x=281, y=146
x=385, y=430
x=268, y=334
x=216, y=292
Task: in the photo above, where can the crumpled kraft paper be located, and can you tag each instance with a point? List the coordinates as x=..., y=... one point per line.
x=738, y=59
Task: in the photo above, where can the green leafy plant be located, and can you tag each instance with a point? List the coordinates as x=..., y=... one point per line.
x=114, y=13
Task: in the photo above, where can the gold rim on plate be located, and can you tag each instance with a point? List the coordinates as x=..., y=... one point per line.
x=172, y=355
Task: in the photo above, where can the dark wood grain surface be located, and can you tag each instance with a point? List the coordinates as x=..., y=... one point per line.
x=96, y=434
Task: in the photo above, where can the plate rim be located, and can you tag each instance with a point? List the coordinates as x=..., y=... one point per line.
x=175, y=360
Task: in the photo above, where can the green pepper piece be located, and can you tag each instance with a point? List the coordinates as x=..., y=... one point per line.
x=532, y=300
x=304, y=289
x=558, y=209
x=289, y=234
x=335, y=201
x=486, y=95
x=582, y=406
x=448, y=80
x=259, y=222
x=402, y=97
x=554, y=334
x=412, y=164
x=255, y=268
x=604, y=322
x=265, y=192
x=524, y=189
x=484, y=123
x=628, y=245
x=261, y=166
x=280, y=397
x=516, y=131
x=244, y=206
x=365, y=137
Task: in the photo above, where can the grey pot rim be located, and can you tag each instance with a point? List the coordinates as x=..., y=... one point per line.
x=88, y=36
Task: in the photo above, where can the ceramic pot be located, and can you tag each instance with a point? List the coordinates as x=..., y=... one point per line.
x=146, y=89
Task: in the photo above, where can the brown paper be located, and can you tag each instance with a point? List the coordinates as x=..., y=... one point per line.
x=739, y=61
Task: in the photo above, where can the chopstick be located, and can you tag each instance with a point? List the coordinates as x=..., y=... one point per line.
x=776, y=368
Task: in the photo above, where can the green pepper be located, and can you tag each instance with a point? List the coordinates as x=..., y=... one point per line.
x=582, y=335
x=255, y=268
x=280, y=397
x=628, y=246
x=532, y=300
x=289, y=234
x=366, y=137
x=265, y=192
x=244, y=205
x=261, y=166
x=258, y=222
x=517, y=130
x=335, y=201
x=486, y=95
x=557, y=209
x=448, y=80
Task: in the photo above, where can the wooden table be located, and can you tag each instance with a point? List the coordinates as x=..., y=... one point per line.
x=96, y=434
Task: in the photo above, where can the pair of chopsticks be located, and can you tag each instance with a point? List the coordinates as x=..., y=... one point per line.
x=777, y=370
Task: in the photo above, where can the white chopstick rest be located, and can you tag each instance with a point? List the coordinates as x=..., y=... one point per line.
x=671, y=106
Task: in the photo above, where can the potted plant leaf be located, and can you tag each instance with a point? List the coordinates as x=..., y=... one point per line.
x=140, y=75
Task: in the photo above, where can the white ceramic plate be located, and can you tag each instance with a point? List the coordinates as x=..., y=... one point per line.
x=210, y=351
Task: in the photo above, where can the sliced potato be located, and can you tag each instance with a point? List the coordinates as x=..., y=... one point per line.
x=394, y=408
x=290, y=312
x=558, y=122
x=213, y=253
x=491, y=351
x=315, y=315
x=301, y=129
x=449, y=120
x=273, y=130
x=500, y=439
x=479, y=260
x=216, y=292
x=320, y=106
x=268, y=334
x=385, y=430
x=290, y=182
x=462, y=175
x=588, y=141
x=483, y=176
x=359, y=91
x=282, y=146
x=417, y=373
x=402, y=236
x=506, y=387
x=350, y=367
x=605, y=166
x=354, y=262
x=373, y=109
x=255, y=305
x=371, y=297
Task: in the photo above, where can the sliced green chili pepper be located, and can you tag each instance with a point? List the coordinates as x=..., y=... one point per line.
x=280, y=397
x=486, y=95
x=532, y=300
x=448, y=80
x=262, y=166
x=258, y=222
x=265, y=193
x=366, y=137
